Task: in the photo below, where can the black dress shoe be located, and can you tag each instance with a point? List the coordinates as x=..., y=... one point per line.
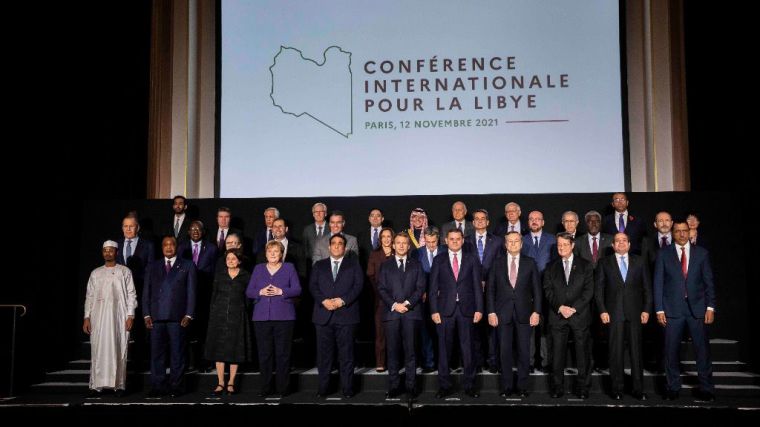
x=556, y=394
x=493, y=369
x=393, y=393
x=531, y=370
x=522, y=393
x=175, y=393
x=617, y=396
x=348, y=395
x=638, y=395
x=442, y=392
x=671, y=395
x=320, y=395
x=264, y=393
x=93, y=394
x=506, y=393
x=428, y=370
x=704, y=396
x=583, y=395
x=155, y=393
x=119, y=392
x=472, y=393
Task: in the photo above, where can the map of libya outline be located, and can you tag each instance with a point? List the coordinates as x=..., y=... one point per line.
x=323, y=91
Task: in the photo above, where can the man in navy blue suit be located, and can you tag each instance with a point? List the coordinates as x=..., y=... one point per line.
x=514, y=301
x=336, y=283
x=621, y=221
x=426, y=254
x=401, y=285
x=486, y=247
x=684, y=297
x=264, y=235
x=456, y=303
x=168, y=307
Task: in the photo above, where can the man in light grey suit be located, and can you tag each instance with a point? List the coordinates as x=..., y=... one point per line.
x=322, y=246
x=314, y=231
x=458, y=212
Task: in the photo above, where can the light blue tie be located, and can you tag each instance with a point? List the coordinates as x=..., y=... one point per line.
x=480, y=248
x=430, y=258
x=335, y=270
x=623, y=268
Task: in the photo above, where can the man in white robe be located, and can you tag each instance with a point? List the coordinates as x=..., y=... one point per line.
x=109, y=311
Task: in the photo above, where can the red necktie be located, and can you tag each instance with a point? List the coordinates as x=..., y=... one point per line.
x=455, y=267
x=684, y=262
x=594, y=250
x=168, y=266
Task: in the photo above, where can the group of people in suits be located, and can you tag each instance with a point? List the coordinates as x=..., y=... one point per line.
x=527, y=287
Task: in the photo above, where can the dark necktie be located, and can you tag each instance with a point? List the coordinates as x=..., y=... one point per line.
x=536, y=240
x=221, y=239
x=168, y=266
x=335, y=270
x=664, y=241
x=269, y=235
x=176, y=228
x=594, y=250
x=401, y=265
x=319, y=231
x=459, y=226
x=480, y=248
x=621, y=224
x=375, y=239
x=129, y=250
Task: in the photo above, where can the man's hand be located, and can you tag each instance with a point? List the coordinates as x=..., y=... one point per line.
x=709, y=317
x=436, y=318
x=185, y=321
x=605, y=317
x=535, y=319
x=86, y=327
x=399, y=307
x=644, y=317
x=566, y=311
x=128, y=324
x=329, y=304
x=148, y=323
x=493, y=320
x=661, y=319
x=477, y=317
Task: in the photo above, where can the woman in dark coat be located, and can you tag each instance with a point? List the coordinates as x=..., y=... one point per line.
x=228, y=339
x=376, y=259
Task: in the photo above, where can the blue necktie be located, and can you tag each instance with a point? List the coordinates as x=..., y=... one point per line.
x=621, y=224
x=623, y=268
x=374, y=239
x=430, y=258
x=536, y=237
x=480, y=248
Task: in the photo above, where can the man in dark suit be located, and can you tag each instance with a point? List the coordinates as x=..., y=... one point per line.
x=623, y=222
x=570, y=223
x=593, y=245
x=265, y=234
x=486, y=247
x=293, y=250
x=512, y=214
x=168, y=307
x=223, y=229
x=651, y=245
x=400, y=286
x=314, y=231
x=684, y=297
x=569, y=287
x=426, y=254
x=456, y=303
x=369, y=239
x=541, y=246
x=458, y=212
x=624, y=299
x=136, y=253
x=336, y=283
x=179, y=223
x=514, y=306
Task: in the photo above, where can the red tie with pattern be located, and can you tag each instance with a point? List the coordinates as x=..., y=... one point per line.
x=684, y=262
x=455, y=267
x=595, y=250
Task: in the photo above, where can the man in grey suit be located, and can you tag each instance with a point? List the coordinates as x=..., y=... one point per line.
x=322, y=246
x=458, y=212
x=314, y=231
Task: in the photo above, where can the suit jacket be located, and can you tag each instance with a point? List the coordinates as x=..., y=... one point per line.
x=421, y=254
x=469, y=230
x=260, y=239
x=444, y=289
x=670, y=285
x=493, y=248
x=143, y=254
x=206, y=257
x=650, y=246
x=347, y=286
x=582, y=248
x=501, y=229
x=294, y=255
x=214, y=238
x=576, y=293
x=544, y=253
x=518, y=303
x=182, y=236
x=634, y=229
x=364, y=241
x=309, y=238
x=322, y=247
x=395, y=286
x=169, y=297
x=623, y=300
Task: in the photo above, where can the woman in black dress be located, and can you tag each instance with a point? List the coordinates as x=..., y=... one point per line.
x=228, y=339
